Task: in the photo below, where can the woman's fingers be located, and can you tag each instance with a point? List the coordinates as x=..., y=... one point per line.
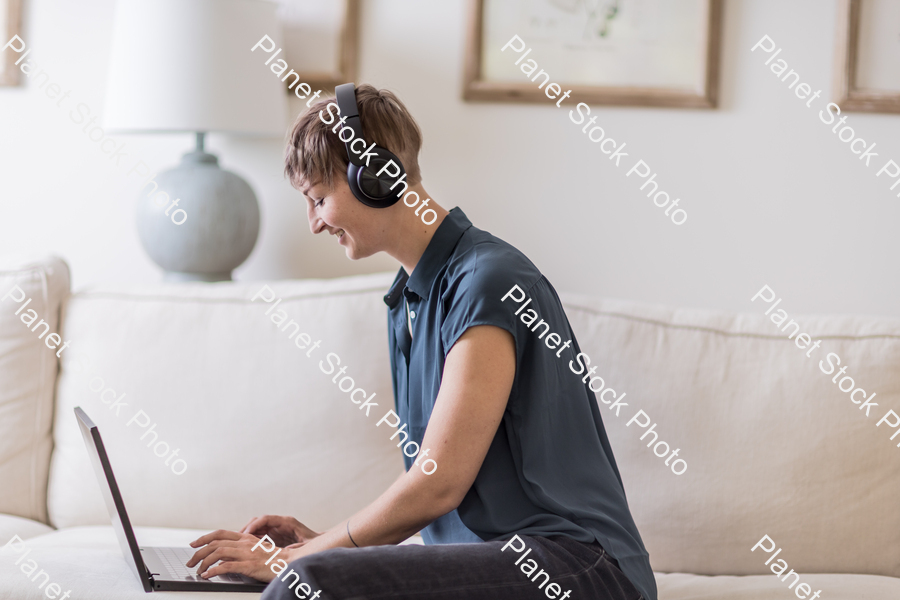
x=227, y=556
x=267, y=524
x=202, y=553
x=231, y=566
x=220, y=534
x=246, y=528
x=213, y=557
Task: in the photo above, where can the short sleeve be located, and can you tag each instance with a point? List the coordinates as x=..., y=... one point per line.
x=475, y=292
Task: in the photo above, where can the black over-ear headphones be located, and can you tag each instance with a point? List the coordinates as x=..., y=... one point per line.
x=370, y=189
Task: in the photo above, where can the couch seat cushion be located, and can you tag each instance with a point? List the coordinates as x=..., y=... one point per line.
x=88, y=561
x=681, y=586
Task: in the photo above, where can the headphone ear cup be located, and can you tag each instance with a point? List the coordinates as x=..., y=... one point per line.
x=352, y=178
x=372, y=189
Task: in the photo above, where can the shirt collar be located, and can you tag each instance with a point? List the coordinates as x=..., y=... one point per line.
x=439, y=249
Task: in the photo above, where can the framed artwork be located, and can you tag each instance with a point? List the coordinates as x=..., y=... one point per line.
x=613, y=52
x=321, y=40
x=867, y=77
x=10, y=25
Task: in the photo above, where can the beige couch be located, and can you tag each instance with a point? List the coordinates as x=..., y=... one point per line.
x=772, y=446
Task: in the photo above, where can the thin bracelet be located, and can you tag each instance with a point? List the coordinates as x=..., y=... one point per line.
x=350, y=536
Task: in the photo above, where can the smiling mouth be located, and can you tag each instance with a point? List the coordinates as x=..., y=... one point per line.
x=339, y=234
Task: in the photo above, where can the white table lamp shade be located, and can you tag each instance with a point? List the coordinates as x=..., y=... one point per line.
x=186, y=66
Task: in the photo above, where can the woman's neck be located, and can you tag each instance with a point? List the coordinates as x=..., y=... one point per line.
x=412, y=235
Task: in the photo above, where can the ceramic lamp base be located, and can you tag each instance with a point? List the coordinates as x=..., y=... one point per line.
x=219, y=223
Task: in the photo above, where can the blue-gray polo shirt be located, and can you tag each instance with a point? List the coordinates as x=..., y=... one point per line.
x=550, y=469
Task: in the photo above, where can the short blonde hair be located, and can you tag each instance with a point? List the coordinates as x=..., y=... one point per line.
x=315, y=155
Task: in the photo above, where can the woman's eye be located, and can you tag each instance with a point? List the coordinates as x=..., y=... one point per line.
x=318, y=202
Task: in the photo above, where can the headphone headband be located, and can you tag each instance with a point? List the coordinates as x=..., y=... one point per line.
x=346, y=101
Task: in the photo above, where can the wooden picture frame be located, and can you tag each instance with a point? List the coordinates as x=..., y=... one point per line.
x=347, y=49
x=477, y=88
x=849, y=94
x=10, y=75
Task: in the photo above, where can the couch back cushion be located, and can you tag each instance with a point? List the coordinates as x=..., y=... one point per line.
x=201, y=369
x=772, y=446
x=28, y=368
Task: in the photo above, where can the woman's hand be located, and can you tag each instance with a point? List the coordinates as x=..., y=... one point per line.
x=286, y=532
x=233, y=552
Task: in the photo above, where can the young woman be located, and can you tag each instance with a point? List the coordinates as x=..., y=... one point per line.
x=524, y=498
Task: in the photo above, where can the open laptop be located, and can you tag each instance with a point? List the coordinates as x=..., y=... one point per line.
x=158, y=569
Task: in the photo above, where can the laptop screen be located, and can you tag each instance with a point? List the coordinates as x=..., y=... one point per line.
x=112, y=497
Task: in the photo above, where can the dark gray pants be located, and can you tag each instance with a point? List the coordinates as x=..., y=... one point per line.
x=457, y=571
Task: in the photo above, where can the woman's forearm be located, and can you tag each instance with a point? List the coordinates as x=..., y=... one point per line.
x=411, y=503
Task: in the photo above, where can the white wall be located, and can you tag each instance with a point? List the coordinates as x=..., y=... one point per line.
x=772, y=196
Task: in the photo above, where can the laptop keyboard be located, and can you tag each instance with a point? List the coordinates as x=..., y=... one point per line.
x=174, y=559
